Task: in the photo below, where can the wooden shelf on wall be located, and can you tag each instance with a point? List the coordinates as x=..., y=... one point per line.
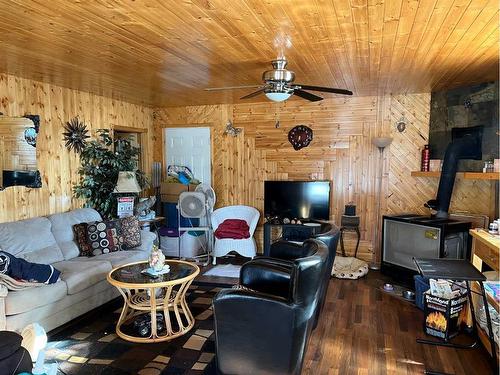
x=466, y=175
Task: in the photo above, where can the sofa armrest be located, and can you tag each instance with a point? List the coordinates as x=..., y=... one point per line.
x=147, y=240
x=3, y=294
x=269, y=278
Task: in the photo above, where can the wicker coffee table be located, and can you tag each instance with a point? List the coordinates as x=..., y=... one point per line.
x=170, y=291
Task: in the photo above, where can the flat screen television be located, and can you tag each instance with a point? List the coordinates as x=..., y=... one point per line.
x=297, y=199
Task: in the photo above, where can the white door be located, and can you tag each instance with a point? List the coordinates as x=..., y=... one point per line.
x=189, y=147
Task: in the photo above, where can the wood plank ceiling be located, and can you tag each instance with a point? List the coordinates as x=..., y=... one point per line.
x=163, y=53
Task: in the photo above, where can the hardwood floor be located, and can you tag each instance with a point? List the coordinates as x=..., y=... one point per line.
x=363, y=330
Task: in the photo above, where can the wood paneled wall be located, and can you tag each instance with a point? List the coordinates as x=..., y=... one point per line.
x=57, y=166
x=341, y=152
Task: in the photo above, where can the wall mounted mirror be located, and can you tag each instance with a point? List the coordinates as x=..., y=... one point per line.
x=18, y=164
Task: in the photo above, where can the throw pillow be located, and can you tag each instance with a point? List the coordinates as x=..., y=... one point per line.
x=131, y=232
x=104, y=236
x=80, y=233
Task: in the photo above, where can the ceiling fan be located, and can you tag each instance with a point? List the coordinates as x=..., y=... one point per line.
x=278, y=85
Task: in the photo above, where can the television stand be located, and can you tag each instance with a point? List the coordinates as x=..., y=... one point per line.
x=289, y=232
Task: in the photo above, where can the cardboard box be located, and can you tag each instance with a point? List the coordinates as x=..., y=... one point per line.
x=443, y=316
x=170, y=191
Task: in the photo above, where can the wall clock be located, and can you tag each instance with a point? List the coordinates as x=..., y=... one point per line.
x=300, y=136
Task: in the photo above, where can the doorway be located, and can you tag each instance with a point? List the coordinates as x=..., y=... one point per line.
x=190, y=147
x=135, y=141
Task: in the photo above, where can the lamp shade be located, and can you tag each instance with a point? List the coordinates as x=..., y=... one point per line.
x=127, y=183
x=382, y=142
x=277, y=96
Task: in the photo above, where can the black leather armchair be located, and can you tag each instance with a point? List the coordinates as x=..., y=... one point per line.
x=265, y=330
x=329, y=235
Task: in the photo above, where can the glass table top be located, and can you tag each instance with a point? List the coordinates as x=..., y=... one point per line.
x=131, y=273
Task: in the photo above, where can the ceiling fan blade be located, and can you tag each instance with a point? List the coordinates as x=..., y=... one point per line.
x=255, y=93
x=307, y=95
x=325, y=89
x=231, y=87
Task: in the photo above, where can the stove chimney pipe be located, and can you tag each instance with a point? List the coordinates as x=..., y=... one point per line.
x=466, y=147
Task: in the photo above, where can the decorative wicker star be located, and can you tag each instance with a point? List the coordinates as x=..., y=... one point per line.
x=75, y=135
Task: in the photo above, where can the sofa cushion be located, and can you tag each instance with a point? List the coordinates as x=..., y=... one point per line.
x=20, y=301
x=31, y=240
x=80, y=275
x=119, y=258
x=62, y=228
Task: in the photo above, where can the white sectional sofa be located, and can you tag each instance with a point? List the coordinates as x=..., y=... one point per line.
x=83, y=285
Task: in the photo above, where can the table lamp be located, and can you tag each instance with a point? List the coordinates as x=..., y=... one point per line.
x=126, y=183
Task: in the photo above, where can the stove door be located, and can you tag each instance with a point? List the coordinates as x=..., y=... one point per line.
x=403, y=241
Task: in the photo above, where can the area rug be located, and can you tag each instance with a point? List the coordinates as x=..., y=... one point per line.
x=92, y=347
x=224, y=270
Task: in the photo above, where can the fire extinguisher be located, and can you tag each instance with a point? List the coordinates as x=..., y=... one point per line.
x=426, y=156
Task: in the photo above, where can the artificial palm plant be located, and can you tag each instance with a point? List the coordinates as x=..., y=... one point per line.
x=101, y=160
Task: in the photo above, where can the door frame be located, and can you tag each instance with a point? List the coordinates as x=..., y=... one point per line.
x=141, y=138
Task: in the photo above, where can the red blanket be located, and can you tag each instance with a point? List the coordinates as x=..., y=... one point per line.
x=233, y=228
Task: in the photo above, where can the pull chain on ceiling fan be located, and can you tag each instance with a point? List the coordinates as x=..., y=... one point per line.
x=278, y=85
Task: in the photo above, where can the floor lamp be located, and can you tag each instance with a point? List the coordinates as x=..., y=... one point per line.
x=381, y=143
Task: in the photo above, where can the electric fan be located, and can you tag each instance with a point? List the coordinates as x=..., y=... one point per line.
x=194, y=205
x=209, y=195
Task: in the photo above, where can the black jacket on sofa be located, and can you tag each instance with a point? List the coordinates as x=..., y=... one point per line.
x=265, y=330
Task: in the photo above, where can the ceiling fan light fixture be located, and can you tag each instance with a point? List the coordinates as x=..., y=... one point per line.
x=278, y=96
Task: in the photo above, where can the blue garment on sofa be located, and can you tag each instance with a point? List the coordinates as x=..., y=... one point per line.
x=21, y=269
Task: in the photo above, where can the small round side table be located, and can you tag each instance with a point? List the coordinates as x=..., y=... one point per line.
x=145, y=295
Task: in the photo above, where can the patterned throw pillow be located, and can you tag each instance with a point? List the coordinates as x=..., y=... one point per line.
x=80, y=233
x=131, y=232
x=104, y=236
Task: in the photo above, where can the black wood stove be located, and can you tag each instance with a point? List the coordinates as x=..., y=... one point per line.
x=407, y=236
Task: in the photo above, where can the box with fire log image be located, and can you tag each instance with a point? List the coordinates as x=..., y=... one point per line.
x=443, y=316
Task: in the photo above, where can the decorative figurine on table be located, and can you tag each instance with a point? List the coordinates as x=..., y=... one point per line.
x=156, y=259
x=157, y=264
